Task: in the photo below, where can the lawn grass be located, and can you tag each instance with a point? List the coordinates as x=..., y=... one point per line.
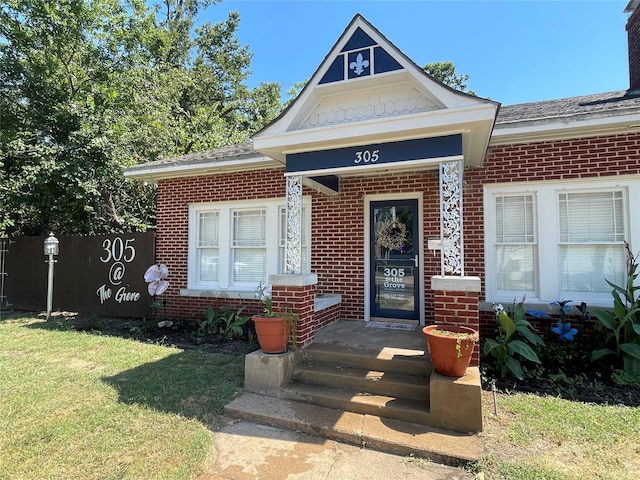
x=549, y=438
x=76, y=405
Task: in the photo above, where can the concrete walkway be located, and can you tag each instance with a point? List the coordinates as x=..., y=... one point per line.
x=249, y=451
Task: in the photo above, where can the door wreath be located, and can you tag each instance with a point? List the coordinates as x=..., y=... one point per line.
x=391, y=234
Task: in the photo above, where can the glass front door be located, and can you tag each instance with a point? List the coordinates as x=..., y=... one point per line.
x=394, y=259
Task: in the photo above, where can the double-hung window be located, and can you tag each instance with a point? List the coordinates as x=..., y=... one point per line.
x=208, y=246
x=516, y=247
x=552, y=241
x=249, y=246
x=236, y=245
x=591, y=248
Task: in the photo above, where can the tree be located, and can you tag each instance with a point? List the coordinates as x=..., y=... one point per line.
x=446, y=73
x=294, y=91
x=90, y=87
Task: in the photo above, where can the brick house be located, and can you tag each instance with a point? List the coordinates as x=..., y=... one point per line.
x=380, y=193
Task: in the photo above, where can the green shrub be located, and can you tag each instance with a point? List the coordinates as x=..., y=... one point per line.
x=211, y=322
x=232, y=322
x=623, y=323
x=513, y=342
x=228, y=322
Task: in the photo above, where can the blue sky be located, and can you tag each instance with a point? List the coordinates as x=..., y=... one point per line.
x=514, y=51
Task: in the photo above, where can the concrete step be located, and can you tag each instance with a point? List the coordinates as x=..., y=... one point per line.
x=387, y=383
x=388, y=359
x=370, y=431
x=405, y=409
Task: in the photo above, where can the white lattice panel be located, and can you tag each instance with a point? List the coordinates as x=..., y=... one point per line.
x=383, y=102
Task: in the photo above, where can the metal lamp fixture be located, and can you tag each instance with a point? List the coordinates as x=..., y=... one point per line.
x=51, y=248
x=51, y=245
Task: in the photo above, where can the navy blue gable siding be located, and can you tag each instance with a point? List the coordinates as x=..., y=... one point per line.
x=383, y=62
x=378, y=154
x=359, y=39
x=363, y=57
x=335, y=73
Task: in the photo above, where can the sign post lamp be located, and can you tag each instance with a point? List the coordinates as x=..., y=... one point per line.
x=51, y=248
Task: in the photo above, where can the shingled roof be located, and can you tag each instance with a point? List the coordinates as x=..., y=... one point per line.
x=585, y=107
x=234, y=152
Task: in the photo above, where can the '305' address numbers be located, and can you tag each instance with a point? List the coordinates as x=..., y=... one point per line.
x=366, y=156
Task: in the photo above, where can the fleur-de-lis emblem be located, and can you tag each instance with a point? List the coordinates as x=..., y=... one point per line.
x=359, y=65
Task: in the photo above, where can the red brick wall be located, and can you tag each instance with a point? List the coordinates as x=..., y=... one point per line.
x=553, y=160
x=337, y=230
x=174, y=197
x=338, y=221
x=488, y=324
x=299, y=301
x=326, y=317
x=338, y=234
x=458, y=308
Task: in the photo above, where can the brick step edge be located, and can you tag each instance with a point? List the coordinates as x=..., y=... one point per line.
x=368, y=431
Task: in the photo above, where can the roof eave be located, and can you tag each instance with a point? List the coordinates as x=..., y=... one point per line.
x=154, y=174
x=563, y=128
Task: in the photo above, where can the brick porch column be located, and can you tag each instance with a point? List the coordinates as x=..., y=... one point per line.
x=456, y=302
x=295, y=293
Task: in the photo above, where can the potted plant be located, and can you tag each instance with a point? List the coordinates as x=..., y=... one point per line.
x=450, y=347
x=274, y=329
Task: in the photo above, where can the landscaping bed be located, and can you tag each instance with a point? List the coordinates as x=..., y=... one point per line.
x=181, y=334
x=579, y=388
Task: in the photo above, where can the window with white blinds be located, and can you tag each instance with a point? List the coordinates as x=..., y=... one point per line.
x=239, y=244
x=592, y=232
x=515, y=243
x=558, y=240
x=208, y=246
x=249, y=250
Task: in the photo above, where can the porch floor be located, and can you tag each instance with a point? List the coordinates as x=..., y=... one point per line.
x=357, y=334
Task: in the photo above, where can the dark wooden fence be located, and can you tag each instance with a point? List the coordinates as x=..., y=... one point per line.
x=102, y=274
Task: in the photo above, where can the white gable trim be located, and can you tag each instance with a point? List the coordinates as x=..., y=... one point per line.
x=314, y=92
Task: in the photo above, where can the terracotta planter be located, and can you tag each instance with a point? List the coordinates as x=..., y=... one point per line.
x=450, y=353
x=273, y=333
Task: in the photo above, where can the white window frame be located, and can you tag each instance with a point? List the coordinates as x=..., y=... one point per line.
x=546, y=214
x=532, y=243
x=225, y=286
